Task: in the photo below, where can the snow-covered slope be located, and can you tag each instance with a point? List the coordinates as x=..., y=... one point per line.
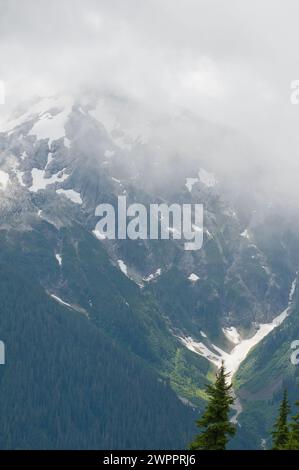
x=238, y=354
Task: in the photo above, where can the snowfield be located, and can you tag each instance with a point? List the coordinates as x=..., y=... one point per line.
x=39, y=180
x=52, y=127
x=37, y=110
x=238, y=354
x=242, y=347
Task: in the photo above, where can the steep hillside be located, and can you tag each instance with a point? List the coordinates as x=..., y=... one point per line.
x=135, y=323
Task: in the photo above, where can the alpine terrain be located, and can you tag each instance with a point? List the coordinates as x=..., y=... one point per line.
x=110, y=343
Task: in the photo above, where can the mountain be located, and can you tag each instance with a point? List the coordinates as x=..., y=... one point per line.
x=262, y=377
x=125, y=333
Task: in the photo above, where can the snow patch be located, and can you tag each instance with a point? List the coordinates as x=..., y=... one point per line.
x=19, y=175
x=70, y=194
x=4, y=179
x=59, y=258
x=292, y=290
x=190, y=182
x=50, y=158
x=23, y=156
x=52, y=127
x=122, y=267
x=60, y=301
x=76, y=308
x=39, y=181
x=201, y=349
x=115, y=180
x=153, y=276
x=266, y=269
x=245, y=234
x=206, y=178
x=237, y=355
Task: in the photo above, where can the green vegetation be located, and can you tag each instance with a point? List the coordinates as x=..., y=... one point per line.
x=286, y=434
x=67, y=385
x=109, y=379
x=280, y=433
x=214, y=423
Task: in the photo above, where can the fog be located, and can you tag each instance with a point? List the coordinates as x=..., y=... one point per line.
x=229, y=64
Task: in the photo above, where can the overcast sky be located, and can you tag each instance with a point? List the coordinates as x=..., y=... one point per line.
x=229, y=61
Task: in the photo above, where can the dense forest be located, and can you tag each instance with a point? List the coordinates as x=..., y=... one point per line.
x=66, y=385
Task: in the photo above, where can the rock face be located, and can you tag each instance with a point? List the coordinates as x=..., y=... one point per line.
x=60, y=159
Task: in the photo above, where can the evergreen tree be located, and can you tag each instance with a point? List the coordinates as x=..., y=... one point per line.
x=280, y=434
x=293, y=441
x=215, y=424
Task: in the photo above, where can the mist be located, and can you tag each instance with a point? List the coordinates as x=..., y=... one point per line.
x=191, y=72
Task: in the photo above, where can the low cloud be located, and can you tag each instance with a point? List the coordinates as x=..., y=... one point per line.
x=229, y=63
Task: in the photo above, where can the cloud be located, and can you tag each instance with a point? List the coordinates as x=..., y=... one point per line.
x=227, y=62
